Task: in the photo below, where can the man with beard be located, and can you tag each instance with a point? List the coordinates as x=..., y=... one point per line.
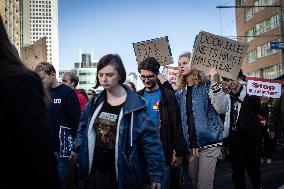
x=162, y=108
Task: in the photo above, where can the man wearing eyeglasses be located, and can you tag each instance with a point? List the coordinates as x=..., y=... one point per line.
x=163, y=110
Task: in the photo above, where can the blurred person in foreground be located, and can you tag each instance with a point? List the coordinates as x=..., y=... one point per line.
x=27, y=159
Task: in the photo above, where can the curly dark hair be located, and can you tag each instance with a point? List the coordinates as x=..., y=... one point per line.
x=150, y=64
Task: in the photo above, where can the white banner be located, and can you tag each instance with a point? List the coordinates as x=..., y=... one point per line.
x=264, y=87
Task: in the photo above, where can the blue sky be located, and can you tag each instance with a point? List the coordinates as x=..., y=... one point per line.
x=111, y=26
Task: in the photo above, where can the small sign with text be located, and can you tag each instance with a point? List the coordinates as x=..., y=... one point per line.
x=264, y=87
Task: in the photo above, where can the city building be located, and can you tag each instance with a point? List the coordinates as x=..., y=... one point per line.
x=258, y=25
x=86, y=62
x=44, y=23
x=87, y=78
x=9, y=10
x=24, y=23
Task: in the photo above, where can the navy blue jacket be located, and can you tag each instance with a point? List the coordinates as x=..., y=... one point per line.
x=138, y=152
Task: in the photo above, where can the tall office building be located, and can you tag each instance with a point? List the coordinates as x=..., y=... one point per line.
x=24, y=23
x=87, y=71
x=44, y=22
x=9, y=11
x=258, y=26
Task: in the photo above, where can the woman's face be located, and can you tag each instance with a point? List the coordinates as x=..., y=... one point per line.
x=183, y=65
x=108, y=77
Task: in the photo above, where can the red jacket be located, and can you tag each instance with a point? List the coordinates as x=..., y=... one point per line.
x=82, y=99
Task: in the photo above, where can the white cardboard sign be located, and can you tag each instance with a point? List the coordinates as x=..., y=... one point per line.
x=264, y=87
x=212, y=51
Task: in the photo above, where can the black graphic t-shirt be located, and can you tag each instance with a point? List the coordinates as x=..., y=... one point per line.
x=105, y=126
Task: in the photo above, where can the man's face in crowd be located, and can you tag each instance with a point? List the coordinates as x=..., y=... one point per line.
x=149, y=79
x=232, y=84
x=66, y=80
x=47, y=80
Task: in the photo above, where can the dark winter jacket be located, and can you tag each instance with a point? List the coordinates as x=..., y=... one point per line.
x=248, y=123
x=27, y=159
x=171, y=134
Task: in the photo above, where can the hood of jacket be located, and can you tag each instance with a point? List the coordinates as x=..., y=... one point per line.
x=129, y=106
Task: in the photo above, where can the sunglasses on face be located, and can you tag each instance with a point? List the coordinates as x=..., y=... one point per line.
x=90, y=94
x=149, y=77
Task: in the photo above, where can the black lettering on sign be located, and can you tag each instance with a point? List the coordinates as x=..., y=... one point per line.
x=201, y=49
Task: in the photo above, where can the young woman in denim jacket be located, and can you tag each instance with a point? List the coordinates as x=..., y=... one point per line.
x=201, y=101
x=119, y=150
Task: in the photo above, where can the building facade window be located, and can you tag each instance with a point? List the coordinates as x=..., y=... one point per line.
x=250, y=12
x=261, y=51
x=251, y=56
x=262, y=27
x=269, y=72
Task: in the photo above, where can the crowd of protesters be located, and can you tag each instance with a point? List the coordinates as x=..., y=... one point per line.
x=160, y=137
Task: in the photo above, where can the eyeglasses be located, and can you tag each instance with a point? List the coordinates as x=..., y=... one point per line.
x=149, y=77
x=90, y=94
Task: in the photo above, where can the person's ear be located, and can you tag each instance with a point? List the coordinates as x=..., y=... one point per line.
x=53, y=75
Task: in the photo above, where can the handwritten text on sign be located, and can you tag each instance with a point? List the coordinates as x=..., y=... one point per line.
x=224, y=54
x=157, y=48
x=264, y=87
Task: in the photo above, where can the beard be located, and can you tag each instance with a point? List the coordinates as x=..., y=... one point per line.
x=150, y=85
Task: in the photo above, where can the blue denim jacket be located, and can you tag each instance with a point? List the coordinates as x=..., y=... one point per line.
x=206, y=104
x=138, y=152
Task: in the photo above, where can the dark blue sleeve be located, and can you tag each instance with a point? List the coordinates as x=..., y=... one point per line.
x=152, y=149
x=73, y=111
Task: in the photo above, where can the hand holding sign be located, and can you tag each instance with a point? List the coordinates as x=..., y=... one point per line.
x=213, y=76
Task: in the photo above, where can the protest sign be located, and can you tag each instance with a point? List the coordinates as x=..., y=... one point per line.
x=170, y=73
x=264, y=87
x=34, y=54
x=158, y=48
x=212, y=51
